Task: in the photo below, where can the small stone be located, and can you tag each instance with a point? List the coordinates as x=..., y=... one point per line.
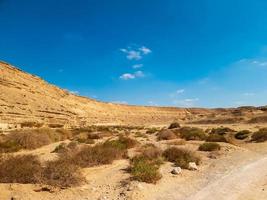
x=176, y=170
x=192, y=166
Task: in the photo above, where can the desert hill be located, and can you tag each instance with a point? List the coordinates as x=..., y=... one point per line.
x=27, y=100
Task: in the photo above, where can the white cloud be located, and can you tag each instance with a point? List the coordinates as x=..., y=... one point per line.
x=180, y=91
x=259, y=63
x=186, y=102
x=139, y=74
x=127, y=76
x=145, y=50
x=137, y=66
x=135, y=54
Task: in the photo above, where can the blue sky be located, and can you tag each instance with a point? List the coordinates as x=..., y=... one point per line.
x=185, y=53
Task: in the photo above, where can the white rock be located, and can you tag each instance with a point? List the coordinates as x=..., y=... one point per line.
x=176, y=170
x=192, y=166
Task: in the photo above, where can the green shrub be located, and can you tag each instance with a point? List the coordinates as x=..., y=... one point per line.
x=181, y=157
x=260, y=135
x=192, y=133
x=144, y=169
x=241, y=135
x=209, y=146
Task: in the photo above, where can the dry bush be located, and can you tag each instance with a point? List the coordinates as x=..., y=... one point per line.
x=241, y=135
x=260, y=135
x=216, y=138
x=152, y=130
x=31, y=125
x=30, y=139
x=139, y=134
x=9, y=146
x=62, y=173
x=221, y=130
x=174, y=125
x=181, y=157
x=177, y=142
x=166, y=134
x=20, y=169
x=209, y=146
x=150, y=151
x=192, y=133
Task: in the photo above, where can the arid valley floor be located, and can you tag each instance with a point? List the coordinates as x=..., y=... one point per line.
x=55, y=145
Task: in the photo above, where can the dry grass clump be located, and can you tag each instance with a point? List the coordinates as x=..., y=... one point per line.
x=20, y=169
x=216, y=138
x=177, y=142
x=174, y=125
x=241, y=135
x=192, y=133
x=221, y=130
x=31, y=125
x=260, y=135
x=31, y=139
x=62, y=173
x=152, y=130
x=150, y=151
x=181, y=157
x=140, y=135
x=166, y=134
x=209, y=146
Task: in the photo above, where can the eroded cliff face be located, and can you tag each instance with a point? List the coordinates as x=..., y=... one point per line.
x=28, y=98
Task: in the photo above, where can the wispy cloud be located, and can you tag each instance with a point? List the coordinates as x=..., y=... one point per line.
x=186, y=102
x=152, y=103
x=136, y=66
x=180, y=91
x=136, y=54
x=129, y=76
x=145, y=50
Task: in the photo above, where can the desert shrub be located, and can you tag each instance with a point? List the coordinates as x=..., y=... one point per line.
x=216, y=138
x=20, y=169
x=139, y=134
x=30, y=139
x=260, y=135
x=174, y=125
x=98, y=155
x=181, y=157
x=152, y=130
x=166, y=134
x=9, y=146
x=61, y=148
x=144, y=169
x=150, y=151
x=177, y=142
x=221, y=130
x=209, y=146
x=85, y=140
x=122, y=142
x=241, y=135
x=62, y=173
x=192, y=133
x=31, y=124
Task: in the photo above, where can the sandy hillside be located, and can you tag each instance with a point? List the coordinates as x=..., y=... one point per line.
x=28, y=98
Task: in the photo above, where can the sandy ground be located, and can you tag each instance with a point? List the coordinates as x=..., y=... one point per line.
x=239, y=172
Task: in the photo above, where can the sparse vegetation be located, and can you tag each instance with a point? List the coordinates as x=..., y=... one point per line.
x=20, y=169
x=260, y=135
x=166, y=134
x=221, y=130
x=152, y=130
x=181, y=157
x=174, y=125
x=241, y=135
x=216, y=138
x=209, y=146
x=62, y=173
x=192, y=133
